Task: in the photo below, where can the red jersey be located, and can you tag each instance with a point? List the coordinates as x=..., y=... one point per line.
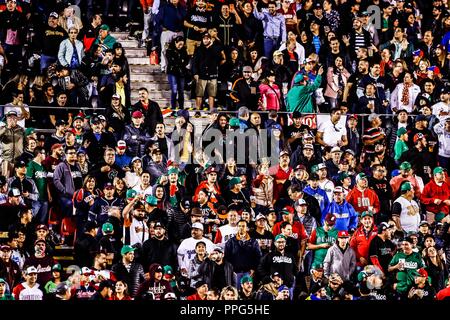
x=362, y=200
x=360, y=243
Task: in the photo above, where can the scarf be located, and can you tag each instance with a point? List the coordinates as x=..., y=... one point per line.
x=405, y=94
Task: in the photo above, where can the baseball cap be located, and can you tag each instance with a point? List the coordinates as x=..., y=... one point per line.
x=104, y=27
x=57, y=267
x=173, y=170
x=422, y=273
x=300, y=167
x=317, y=266
x=107, y=227
x=131, y=193
x=211, y=169
x=14, y=192
x=5, y=247
x=330, y=219
x=405, y=165
x=360, y=176
x=418, y=53
x=422, y=223
x=197, y=225
x=287, y=210
x=53, y=15
x=126, y=249
x=151, y=200
x=40, y=241
x=95, y=119
x=336, y=149
x=246, y=278
x=438, y=170
x=234, y=122
x=406, y=186
x=196, y=212
x=11, y=113
x=277, y=53
x=296, y=114
x=401, y=131
x=234, y=181
x=284, y=153
x=200, y=283
x=314, y=176
x=137, y=114
x=20, y=164
x=421, y=117
x=338, y=189
x=121, y=144
x=280, y=236
x=321, y=166
x=417, y=137
x=115, y=96
x=61, y=288
x=31, y=270
x=170, y=296
x=342, y=176
x=308, y=146
x=366, y=214
x=186, y=203
x=41, y=227
x=260, y=216
x=300, y=202
x=247, y=68
x=383, y=226
x=343, y=234
x=29, y=131
x=218, y=248
x=159, y=224
x=135, y=158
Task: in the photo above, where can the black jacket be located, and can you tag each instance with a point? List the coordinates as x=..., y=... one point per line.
x=136, y=139
x=243, y=255
x=96, y=148
x=132, y=278
x=208, y=267
x=152, y=114
x=284, y=264
x=177, y=60
x=85, y=249
x=163, y=252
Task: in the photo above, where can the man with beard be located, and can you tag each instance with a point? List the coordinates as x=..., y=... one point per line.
x=174, y=189
x=215, y=271
x=105, y=171
x=58, y=136
x=261, y=234
x=136, y=135
x=41, y=261
x=96, y=140
x=135, y=227
x=129, y=271
x=150, y=109
x=50, y=163
x=381, y=248
x=153, y=212
x=280, y=173
x=381, y=186
x=159, y=249
x=155, y=288
x=235, y=195
x=349, y=95
x=77, y=128
x=420, y=158
x=109, y=244
x=211, y=185
x=99, y=210
x=9, y=269
x=406, y=174
x=245, y=91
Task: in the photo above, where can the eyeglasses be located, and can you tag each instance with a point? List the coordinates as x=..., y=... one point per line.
x=73, y=32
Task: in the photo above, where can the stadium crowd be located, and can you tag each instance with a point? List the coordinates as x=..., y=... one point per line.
x=327, y=178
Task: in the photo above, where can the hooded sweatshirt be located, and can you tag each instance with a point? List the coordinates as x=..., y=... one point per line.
x=300, y=97
x=346, y=216
x=153, y=289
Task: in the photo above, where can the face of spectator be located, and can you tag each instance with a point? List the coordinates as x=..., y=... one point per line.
x=242, y=228
x=159, y=129
x=31, y=278
x=272, y=9
x=407, y=247
x=225, y=11
x=428, y=87
x=179, y=44
x=357, y=24
x=343, y=242
x=284, y=160
x=73, y=34
x=398, y=34
x=287, y=231
x=137, y=121
x=200, y=249
x=157, y=157
x=61, y=100
x=110, y=157
x=200, y=4
x=145, y=179
x=363, y=66
x=234, y=55
x=280, y=244
x=71, y=155
x=196, y=233
x=103, y=34
x=367, y=222
x=338, y=197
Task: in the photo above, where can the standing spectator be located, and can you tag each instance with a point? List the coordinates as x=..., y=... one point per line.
x=205, y=68
x=245, y=91
x=346, y=216
x=86, y=244
x=442, y=130
x=12, y=138
x=405, y=211
x=155, y=287
x=242, y=252
x=170, y=18
x=340, y=258
x=405, y=94
x=41, y=261
x=381, y=248
x=274, y=26
x=362, y=198
x=38, y=174
x=165, y=144
x=362, y=238
x=337, y=76
x=96, y=140
x=177, y=60
x=159, y=248
x=331, y=132
x=67, y=179
x=52, y=36
x=28, y=290
x=197, y=22
x=104, y=39
x=129, y=271
x=135, y=135
x=150, y=109
x=71, y=50
x=299, y=97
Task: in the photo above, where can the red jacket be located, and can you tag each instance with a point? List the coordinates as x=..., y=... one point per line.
x=361, y=200
x=298, y=230
x=204, y=185
x=432, y=191
x=360, y=243
x=195, y=297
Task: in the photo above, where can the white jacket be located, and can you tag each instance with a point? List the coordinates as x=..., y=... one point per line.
x=444, y=140
x=396, y=97
x=66, y=51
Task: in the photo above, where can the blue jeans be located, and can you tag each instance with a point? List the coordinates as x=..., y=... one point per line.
x=270, y=45
x=177, y=89
x=66, y=206
x=40, y=211
x=46, y=61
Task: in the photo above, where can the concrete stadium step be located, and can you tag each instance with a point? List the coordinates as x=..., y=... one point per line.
x=135, y=53
x=139, y=61
x=165, y=95
x=150, y=85
x=122, y=35
x=128, y=43
x=149, y=77
x=145, y=69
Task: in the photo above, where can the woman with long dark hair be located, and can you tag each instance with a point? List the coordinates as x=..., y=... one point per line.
x=83, y=199
x=177, y=60
x=436, y=268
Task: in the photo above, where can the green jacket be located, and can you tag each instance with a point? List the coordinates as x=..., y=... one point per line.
x=323, y=237
x=405, y=277
x=108, y=42
x=300, y=98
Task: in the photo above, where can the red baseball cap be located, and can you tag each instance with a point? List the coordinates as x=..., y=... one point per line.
x=343, y=234
x=330, y=219
x=137, y=114
x=422, y=272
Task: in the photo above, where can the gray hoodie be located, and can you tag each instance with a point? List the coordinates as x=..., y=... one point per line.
x=342, y=263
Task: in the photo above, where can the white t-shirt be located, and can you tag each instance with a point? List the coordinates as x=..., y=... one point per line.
x=332, y=133
x=186, y=250
x=440, y=107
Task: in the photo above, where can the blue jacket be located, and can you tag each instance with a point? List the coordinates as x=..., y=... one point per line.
x=321, y=197
x=171, y=17
x=243, y=255
x=346, y=216
x=123, y=160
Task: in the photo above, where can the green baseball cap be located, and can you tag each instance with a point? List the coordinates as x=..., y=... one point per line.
x=126, y=249
x=173, y=170
x=246, y=278
x=234, y=181
x=438, y=170
x=401, y=131
x=280, y=236
x=317, y=266
x=29, y=131
x=367, y=214
x=131, y=193
x=234, y=122
x=57, y=267
x=406, y=186
x=107, y=228
x=151, y=200
x=104, y=27
x=405, y=165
